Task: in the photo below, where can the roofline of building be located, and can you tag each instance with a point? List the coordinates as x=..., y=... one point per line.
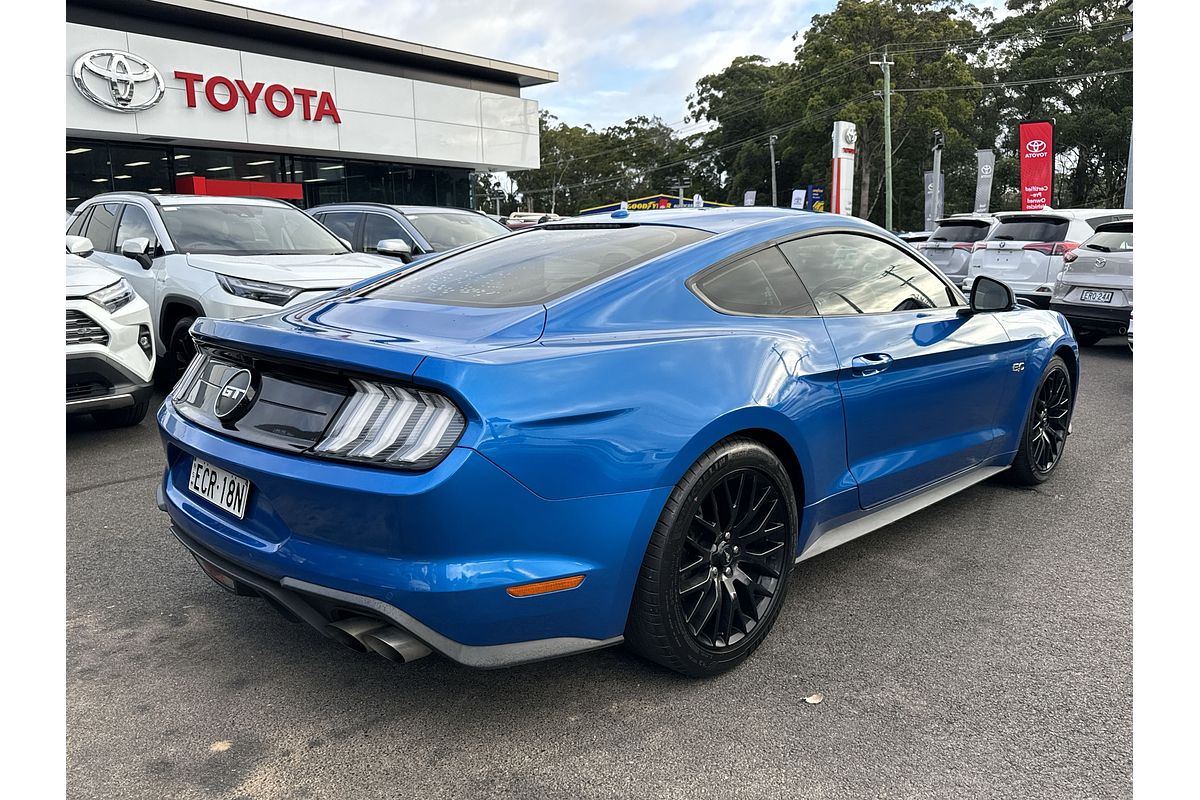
x=286, y=28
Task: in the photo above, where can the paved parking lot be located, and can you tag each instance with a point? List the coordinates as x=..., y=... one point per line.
x=981, y=648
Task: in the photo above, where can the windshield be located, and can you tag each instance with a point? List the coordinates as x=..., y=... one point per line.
x=252, y=230
x=535, y=267
x=1111, y=241
x=1031, y=229
x=448, y=230
x=960, y=231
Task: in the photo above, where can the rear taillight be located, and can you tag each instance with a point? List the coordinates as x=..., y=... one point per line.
x=1052, y=248
x=968, y=246
x=1070, y=256
x=393, y=426
x=979, y=246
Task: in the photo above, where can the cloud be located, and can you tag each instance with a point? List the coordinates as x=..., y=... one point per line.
x=616, y=58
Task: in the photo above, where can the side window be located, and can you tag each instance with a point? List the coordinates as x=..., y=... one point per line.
x=760, y=283
x=134, y=223
x=851, y=274
x=377, y=227
x=100, y=226
x=341, y=223
x=77, y=226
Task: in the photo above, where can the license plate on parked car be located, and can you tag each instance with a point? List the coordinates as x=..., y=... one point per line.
x=222, y=489
x=1092, y=296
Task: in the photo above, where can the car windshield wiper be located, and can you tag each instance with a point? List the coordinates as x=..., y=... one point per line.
x=1099, y=247
x=938, y=239
x=1004, y=237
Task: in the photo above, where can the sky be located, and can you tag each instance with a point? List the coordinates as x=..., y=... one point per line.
x=615, y=59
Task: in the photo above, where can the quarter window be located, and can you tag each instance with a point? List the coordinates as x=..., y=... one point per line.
x=760, y=283
x=100, y=226
x=377, y=227
x=134, y=223
x=852, y=274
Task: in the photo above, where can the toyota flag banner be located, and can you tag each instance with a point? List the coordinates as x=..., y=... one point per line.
x=749, y=196
x=985, y=167
x=1037, y=164
x=845, y=136
x=799, y=198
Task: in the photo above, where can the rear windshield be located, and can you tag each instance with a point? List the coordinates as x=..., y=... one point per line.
x=1110, y=241
x=448, y=230
x=960, y=231
x=536, y=266
x=1031, y=229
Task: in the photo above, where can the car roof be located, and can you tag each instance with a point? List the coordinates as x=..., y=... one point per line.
x=186, y=199
x=967, y=218
x=1065, y=213
x=713, y=220
x=403, y=209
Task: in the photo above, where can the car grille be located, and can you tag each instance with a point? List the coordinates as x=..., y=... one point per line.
x=82, y=329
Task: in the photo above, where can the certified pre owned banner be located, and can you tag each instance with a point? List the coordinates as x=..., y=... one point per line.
x=985, y=167
x=1037, y=164
x=845, y=135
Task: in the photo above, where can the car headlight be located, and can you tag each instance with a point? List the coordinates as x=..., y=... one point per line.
x=113, y=296
x=274, y=293
x=393, y=426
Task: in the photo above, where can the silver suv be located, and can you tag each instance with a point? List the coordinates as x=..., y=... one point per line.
x=1094, y=291
x=950, y=245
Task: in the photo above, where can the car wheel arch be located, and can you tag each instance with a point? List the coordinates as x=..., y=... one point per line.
x=175, y=308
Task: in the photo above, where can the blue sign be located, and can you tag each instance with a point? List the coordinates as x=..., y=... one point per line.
x=816, y=198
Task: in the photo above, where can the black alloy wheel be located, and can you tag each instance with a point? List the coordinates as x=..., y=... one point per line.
x=716, y=569
x=1047, y=426
x=730, y=566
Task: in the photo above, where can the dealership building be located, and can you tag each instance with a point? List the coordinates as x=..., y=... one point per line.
x=211, y=98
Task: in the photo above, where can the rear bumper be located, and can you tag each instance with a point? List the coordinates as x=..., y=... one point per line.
x=431, y=552
x=1111, y=321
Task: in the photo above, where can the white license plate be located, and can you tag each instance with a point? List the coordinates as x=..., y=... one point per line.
x=1092, y=296
x=222, y=489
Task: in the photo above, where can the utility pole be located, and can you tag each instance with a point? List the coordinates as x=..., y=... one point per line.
x=679, y=186
x=886, y=66
x=1128, y=37
x=771, y=144
x=939, y=141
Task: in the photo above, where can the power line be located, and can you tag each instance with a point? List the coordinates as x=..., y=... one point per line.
x=1029, y=82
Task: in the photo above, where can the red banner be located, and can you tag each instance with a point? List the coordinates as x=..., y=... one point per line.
x=1037, y=164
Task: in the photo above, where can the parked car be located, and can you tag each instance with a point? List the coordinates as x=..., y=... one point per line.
x=227, y=257
x=952, y=242
x=1094, y=291
x=110, y=354
x=914, y=237
x=1129, y=332
x=1026, y=248
x=527, y=219
x=406, y=232
x=586, y=433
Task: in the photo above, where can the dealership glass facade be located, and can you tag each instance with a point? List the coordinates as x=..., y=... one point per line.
x=95, y=166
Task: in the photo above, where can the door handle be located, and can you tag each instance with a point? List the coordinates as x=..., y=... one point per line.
x=870, y=364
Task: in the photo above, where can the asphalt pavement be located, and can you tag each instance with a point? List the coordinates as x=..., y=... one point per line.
x=980, y=648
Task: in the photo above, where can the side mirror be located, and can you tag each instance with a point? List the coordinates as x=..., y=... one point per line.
x=989, y=294
x=80, y=246
x=394, y=247
x=138, y=248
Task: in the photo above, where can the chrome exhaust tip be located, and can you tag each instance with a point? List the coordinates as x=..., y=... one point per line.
x=351, y=631
x=394, y=644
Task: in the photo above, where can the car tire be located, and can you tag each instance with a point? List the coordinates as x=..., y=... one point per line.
x=122, y=417
x=1088, y=338
x=179, y=352
x=1047, y=426
x=746, y=574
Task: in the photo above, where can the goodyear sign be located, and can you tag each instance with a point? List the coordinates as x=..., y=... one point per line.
x=651, y=202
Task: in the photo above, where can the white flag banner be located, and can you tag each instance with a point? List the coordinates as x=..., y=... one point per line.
x=748, y=198
x=798, y=198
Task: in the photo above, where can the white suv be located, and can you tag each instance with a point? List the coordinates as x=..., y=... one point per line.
x=227, y=257
x=110, y=357
x=1026, y=248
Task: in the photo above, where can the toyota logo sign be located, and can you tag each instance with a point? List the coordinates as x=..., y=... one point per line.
x=986, y=169
x=1035, y=146
x=117, y=80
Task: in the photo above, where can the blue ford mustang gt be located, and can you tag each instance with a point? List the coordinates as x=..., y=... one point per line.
x=624, y=428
